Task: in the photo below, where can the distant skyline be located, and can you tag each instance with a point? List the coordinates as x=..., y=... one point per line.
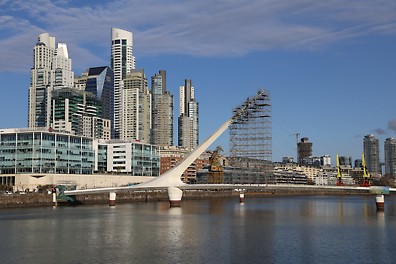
x=329, y=67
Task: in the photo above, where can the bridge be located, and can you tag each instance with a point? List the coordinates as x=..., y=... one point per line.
x=171, y=180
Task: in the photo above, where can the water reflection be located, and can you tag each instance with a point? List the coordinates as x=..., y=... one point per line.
x=381, y=218
x=323, y=229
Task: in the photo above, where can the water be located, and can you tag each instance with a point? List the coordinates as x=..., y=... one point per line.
x=305, y=229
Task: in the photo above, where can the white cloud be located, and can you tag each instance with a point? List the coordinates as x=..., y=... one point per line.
x=392, y=125
x=199, y=28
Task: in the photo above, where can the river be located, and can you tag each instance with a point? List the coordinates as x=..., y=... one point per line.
x=295, y=229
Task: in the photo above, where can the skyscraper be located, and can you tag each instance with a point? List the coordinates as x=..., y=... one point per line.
x=51, y=70
x=188, y=121
x=136, y=106
x=161, y=111
x=371, y=154
x=390, y=156
x=100, y=82
x=122, y=62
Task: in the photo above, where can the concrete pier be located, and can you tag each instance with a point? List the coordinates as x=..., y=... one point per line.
x=112, y=199
x=175, y=196
x=241, y=198
x=380, y=202
x=54, y=201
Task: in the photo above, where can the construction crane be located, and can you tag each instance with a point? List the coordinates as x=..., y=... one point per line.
x=366, y=173
x=296, y=134
x=339, y=173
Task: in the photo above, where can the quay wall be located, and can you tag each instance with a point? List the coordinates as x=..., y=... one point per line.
x=43, y=199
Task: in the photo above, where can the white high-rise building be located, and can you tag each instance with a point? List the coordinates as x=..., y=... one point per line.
x=61, y=74
x=51, y=70
x=122, y=63
x=136, y=105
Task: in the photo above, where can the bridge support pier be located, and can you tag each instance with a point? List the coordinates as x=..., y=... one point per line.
x=112, y=199
x=241, y=197
x=380, y=202
x=175, y=196
x=54, y=199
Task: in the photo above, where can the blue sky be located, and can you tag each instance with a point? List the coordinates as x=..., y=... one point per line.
x=330, y=66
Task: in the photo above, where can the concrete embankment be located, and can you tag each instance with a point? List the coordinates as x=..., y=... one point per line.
x=41, y=199
x=25, y=200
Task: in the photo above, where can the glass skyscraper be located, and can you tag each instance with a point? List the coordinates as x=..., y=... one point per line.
x=100, y=82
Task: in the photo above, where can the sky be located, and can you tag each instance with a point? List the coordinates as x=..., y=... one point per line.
x=329, y=66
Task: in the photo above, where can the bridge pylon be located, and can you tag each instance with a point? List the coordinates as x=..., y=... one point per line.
x=175, y=196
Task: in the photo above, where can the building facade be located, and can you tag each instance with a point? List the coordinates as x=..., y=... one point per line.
x=134, y=158
x=162, y=107
x=188, y=121
x=122, y=62
x=371, y=154
x=78, y=112
x=40, y=151
x=80, y=81
x=390, y=156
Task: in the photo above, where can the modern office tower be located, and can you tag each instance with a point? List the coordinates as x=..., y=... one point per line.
x=390, y=156
x=78, y=112
x=188, y=121
x=371, y=154
x=136, y=105
x=161, y=111
x=51, y=70
x=304, y=150
x=38, y=151
x=122, y=63
x=100, y=82
x=358, y=163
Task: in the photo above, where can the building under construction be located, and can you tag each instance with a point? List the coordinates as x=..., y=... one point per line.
x=251, y=141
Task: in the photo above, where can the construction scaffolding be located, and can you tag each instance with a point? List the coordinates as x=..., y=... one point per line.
x=251, y=139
